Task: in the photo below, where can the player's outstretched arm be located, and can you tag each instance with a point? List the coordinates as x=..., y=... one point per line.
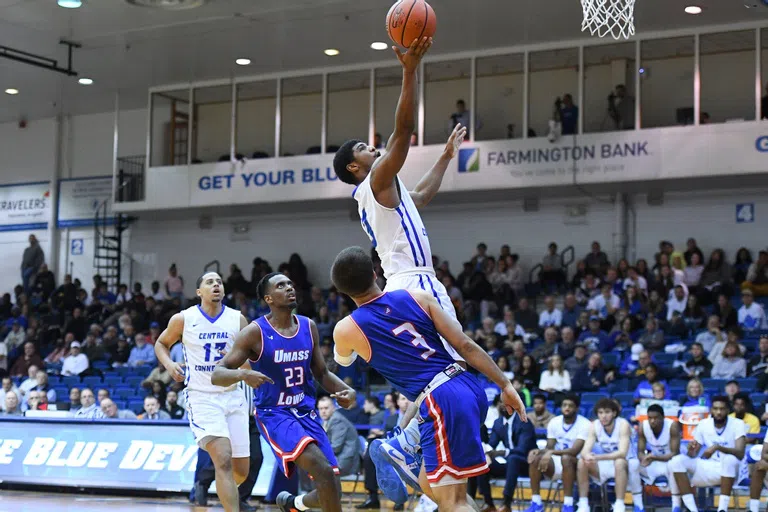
x=344, y=395
x=427, y=187
x=386, y=167
x=165, y=341
x=229, y=371
x=475, y=356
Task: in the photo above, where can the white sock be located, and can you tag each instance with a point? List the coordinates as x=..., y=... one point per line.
x=536, y=498
x=568, y=501
x=619, y=505
x=298, y=502
x=754, y=505
x=412, y=434
x=584, y=503
x=723, y=503
x=637, y=501
x=677, y=502
x=690, y=503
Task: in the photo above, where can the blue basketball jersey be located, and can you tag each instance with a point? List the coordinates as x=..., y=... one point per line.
x=405, y=345
x=287, y=361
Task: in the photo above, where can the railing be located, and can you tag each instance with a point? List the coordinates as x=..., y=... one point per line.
x=566, y=258
x=130, y=179
x=213, y=266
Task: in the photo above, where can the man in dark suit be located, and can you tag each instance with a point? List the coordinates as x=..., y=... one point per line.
x=343, y=437
x=518, y=438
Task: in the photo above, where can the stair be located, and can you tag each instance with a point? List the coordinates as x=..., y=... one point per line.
x=108, y=248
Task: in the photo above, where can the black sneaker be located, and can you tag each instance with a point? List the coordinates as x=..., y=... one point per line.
x=284, y=502
x=201, y=495
x=247, y=507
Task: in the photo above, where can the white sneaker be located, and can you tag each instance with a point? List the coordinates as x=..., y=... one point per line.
x=425, y=505
x=584, y=508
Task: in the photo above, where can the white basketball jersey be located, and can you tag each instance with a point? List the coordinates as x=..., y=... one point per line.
x=398, y=234
x=605, y=443
x=657, y=445
x=203, y=339
x=566, y=435
x=706, y=434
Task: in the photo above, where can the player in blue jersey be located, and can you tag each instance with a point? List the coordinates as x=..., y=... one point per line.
x=285, y=360
x=399, y=334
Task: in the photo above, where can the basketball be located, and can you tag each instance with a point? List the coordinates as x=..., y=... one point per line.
x=410, y=19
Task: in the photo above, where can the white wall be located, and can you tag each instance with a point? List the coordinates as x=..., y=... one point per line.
x=27, y=154
x=12, y=245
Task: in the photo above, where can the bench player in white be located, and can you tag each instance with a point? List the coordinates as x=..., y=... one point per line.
x=724, y=440
x=566, y=435
x=390, y=217
x=758, y=455
x=658, y=440
x=606, y=454
x=218, y=416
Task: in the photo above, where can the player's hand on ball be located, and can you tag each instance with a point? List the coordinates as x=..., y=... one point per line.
x=455, y=140
x=513, y=402
x=256, y=379
x=411, y=59
x=177, y=371
x=346, y=398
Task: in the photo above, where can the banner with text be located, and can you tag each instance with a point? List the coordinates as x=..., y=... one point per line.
x=611, y=157
x=25, y=206
x=79, y=198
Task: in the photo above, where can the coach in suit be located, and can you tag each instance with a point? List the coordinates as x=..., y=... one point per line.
x=343, y=437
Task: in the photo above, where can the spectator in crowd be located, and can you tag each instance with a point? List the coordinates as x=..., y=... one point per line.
x=597, y=260
x=732, y=388
x=88, y=410
x=550, y=317
x=555, y=379
x=42, y=386
x=759, y=363
x=694, y=394
x=715, y=279
x=121, y=353
x=174, y=283
x=698, y=365
x=36, y=401
x=653, y=338
x=751, y=313
x=159, y=373
x=11, y=405
x=101, y=395
x=15, y=337
x=605, y=305
x=30, y=382
x=712, y=335
x=621, y=108
x=372, y=407
x=734, y=335
x=592, y=377
x=76, y=362
x=528, y=371
x=526, y=317
x=742, y=409
x=571, y=310
x=568, y=114
x=461, y=116
x=677, y=303
x=741, y=265
x=8, y=385
x=343, y=436
x=595, y=338
x=31, y=262
x=152, y=410
x=732, y=365
x=142, y=354
x=172, y=407
x=545, y=350
x=551, y=276
x=110, y=411
x=725, y=312
x=577, y=362
x=756, y=279
x=645, y=388
x=28, y=359
x=567, y=344
x=541, y=416
x=74, y=400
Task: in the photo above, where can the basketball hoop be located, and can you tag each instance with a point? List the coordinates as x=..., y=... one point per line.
x=609, y=17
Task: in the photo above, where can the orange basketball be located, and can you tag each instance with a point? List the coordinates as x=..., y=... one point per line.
x=410, y=19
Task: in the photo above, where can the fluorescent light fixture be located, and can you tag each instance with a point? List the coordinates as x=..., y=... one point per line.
x=85, y=81
x=379, y=45
x=693, y=9
x=331, y=52
x=70, y=4
x=11, y=91
x=243, y=62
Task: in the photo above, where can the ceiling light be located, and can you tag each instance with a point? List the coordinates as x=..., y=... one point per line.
x=12, y=91
x=70, y=4
x=85, y=81
x=243, y=62
x=331, y=52
x=693, y=9
x=379, y=45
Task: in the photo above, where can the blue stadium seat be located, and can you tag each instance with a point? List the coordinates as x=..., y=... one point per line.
x=62, y=393
x=54, y=380
x=675, y=391
x=136, y=405
x=124, y=393
x=71, y=381
x=750, y=344
x=665, y=360
x=747, y=385
x=92, y=381
x=143, y=370
x=713, y=385
x=99, y=365
x=134, y=381
x=112, y=380
x=591, y=397
x=758, y=399
x=121, y=404
x=625, y=398
x=610, y=358
x=124, y=370
x=678, y=383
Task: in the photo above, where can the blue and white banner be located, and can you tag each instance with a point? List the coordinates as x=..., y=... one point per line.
x=79, y=198
x=25, y=206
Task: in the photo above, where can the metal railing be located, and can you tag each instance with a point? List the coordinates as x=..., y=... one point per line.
x=130, y=179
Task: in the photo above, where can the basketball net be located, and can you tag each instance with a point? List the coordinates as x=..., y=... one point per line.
x=604, y=17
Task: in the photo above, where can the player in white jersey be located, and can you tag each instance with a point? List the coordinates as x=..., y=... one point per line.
x=723, y=439
x=605, y=454
x=218, y=416
x=658, y=440
x=758, y=455
x=390, y=217
x=566, y=435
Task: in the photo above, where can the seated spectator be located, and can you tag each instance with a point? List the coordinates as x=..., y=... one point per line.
x=542, y=352
x=624, y=335
x=676, y=326
x=694, y=394
x=526, y=317
x=503, y=363
x=522, y=390
x=634, y=302
x=692, y=272
x=8, y=385
x=567, y=344
x=158, y=374
x=11, y=405
x=110, y=411
x=657, y=306
x=645, y=388
x=606, y=303
x=732, y=365
x=635, y=280
x=595, y=338
x=694, y=314
x=698, y=365
x=142, y=354
x=541, y=416
x=732, y=388
x=88, y=410
x=555, y=378
x=634, y=364
x=677, y=303
x=29, y=358
x=528, y=371
x=550, y=317
x=35, y=402
x=591, y=378
x=659, y=391
x=716, y=278
x=509, y=327
x=551, y=276
x=91, y=348
x=76, y=362
x=597, y=260
x=172, y=406
x=724, y=310
x=712, y=336
x=741, y=265
x=74, y=400
x=734, y=335
x=576, y=363
x=742, y=409
x=571, y=311
x=152, y=410
x=652, y=339
x=342, y=435
x=177, y=353
x=15, y=337
x=759, y=363
x=372, y=407
x=61, y=350
x=751, y=314
x=42, y=386
x=30, y=382
x=757, y=276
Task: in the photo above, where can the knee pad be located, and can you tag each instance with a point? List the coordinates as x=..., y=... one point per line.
x=729, y=465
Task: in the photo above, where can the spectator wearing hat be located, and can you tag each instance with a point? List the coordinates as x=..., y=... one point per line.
x=578, y=361
x=751, y=314
x=76, y=362
x=594, y=337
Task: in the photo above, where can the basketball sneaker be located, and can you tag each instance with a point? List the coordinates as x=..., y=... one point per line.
x=284, y=502
x=567, y=508
x=537, y=507
x=425, y=505
x=387, y=477
x=405, y=456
